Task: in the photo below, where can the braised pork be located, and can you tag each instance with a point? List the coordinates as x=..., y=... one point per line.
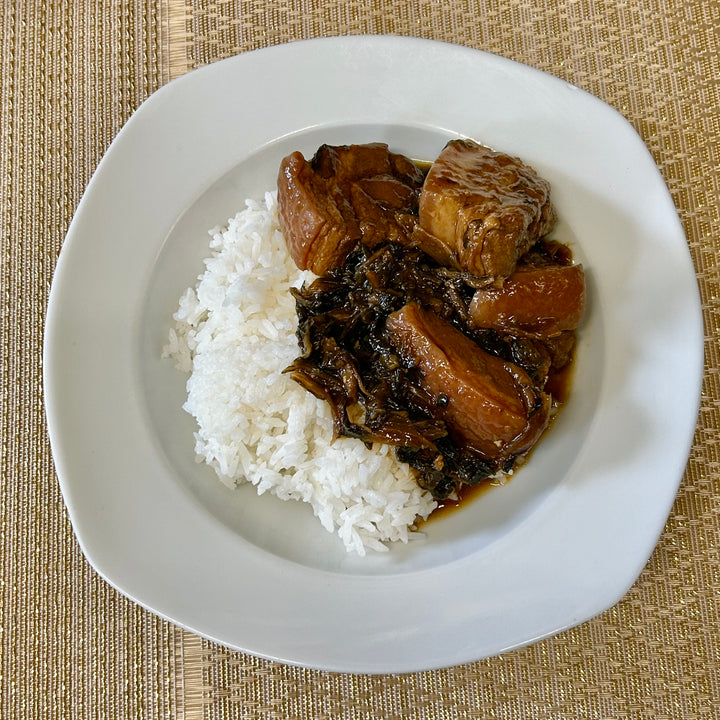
x=443, y=321
x=481, y=210
x=539, y=302
x=345, y=195
x=490, y=404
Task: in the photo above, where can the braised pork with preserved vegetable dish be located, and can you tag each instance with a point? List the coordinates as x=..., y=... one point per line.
x=441, y=310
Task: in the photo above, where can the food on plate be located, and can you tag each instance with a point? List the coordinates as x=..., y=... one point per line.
x=433, y=318
x=449, y=356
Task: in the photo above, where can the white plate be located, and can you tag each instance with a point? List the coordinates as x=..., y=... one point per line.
x=561, y=543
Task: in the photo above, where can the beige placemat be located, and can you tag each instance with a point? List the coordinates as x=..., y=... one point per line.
x=70, y=646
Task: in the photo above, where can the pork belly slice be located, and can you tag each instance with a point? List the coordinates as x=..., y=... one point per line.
x=482, y=209
x=539, y=302
x=319, y=226
x=345, y=195
x=492, y=405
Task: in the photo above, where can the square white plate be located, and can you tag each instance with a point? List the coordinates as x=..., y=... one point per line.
x=560, y=543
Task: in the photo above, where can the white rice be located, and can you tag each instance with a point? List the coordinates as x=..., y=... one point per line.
x=235, y=334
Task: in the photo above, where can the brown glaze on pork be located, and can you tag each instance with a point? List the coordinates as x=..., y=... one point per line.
x=539, y=302
x=345, y=195
x=481, y=210
x=491, y=404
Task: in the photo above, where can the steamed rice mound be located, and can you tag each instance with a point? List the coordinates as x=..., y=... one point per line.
x=235, y=334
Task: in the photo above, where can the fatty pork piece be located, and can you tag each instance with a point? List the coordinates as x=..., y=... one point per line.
x=481, y=210
x=345, y=195
x=539, y=302
x=489, y=404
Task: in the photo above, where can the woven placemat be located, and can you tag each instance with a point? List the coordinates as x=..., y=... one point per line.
x=72, y=647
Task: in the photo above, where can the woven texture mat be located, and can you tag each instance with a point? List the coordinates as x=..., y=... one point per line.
x=70, y=646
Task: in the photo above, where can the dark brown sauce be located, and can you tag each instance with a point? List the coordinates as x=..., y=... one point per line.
x=558, y=383
x=466, y=494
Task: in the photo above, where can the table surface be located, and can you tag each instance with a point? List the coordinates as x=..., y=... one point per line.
x=72, y=647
